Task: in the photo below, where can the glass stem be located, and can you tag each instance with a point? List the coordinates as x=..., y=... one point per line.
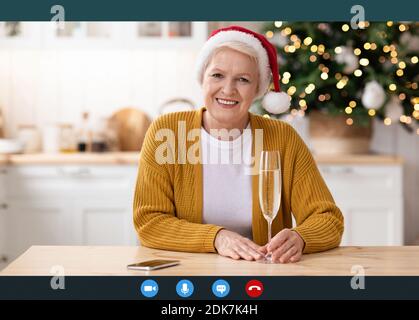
x=269, y=255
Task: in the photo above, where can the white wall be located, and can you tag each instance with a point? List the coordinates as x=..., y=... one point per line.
x=43, y=86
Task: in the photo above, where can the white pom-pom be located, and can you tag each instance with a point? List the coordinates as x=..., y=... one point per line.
x=276, y=102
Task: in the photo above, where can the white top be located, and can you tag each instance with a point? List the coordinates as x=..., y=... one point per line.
x=227, y=182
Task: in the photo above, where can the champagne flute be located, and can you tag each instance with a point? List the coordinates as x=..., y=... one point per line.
x=269, y=189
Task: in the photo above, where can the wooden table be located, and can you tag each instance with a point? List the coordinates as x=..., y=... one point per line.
x=98, y=261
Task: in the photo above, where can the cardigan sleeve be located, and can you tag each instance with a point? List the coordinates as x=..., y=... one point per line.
x=155, y=213
x=319, y=220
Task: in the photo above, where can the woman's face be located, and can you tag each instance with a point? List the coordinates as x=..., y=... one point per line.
x=230, y=84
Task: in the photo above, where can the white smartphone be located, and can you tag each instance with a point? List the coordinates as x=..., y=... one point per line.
x=153, y=264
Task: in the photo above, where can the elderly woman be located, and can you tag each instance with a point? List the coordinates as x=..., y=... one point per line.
x=186, y=201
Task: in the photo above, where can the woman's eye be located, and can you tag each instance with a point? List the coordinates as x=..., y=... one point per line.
x=217, y=75
x=244, y=80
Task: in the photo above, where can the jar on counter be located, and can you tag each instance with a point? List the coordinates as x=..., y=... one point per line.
x=50, y=138
x=99, y=135
x=67, y=138
x=30, y=136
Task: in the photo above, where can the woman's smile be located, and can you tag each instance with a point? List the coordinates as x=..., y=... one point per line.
x=227, y=103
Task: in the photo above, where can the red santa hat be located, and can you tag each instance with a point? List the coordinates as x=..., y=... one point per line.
x=273, y=101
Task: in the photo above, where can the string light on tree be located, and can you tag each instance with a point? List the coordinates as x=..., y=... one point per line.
x=309, y=89
x=287, y=31
x=313, y=58
x=307, y=41
x=364, y=62
x=278, y=24
x=269, y=34
x=291, y=90
x=286, y=77
x=357, y=73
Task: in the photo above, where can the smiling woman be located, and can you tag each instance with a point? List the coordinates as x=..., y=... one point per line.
x=213, y=206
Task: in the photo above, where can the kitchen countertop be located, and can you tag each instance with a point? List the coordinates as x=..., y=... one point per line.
x=107, y=260
x=131, y=158
x=71, y=158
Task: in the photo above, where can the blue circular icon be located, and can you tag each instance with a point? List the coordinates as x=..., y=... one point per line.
x=220, y=288
x=184, y=288
x=149, y=288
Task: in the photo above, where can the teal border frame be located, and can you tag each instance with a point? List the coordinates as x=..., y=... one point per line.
x=212, y=10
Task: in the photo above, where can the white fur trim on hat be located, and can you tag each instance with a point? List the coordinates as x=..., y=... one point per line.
x=221, y=37
x=276, y=102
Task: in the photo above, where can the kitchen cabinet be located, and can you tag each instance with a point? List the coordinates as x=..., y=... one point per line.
x=371, y=200
x=104, y=221
x=68, y=205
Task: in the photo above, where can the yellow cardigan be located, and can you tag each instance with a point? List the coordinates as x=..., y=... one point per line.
x=168, y=197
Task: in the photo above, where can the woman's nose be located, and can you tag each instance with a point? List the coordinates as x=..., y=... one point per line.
x=229, y=88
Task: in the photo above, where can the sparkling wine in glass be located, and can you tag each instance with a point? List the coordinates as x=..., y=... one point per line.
x=269, y=189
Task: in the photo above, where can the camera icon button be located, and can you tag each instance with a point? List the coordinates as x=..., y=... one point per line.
x=149, y=288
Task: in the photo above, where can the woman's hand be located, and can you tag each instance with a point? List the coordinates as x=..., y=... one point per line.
x=286, y=246
x=231, y=244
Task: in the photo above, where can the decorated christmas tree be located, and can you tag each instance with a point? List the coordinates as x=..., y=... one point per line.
x=370, y=71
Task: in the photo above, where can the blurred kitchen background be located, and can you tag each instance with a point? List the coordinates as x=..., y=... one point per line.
x=77, y=98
